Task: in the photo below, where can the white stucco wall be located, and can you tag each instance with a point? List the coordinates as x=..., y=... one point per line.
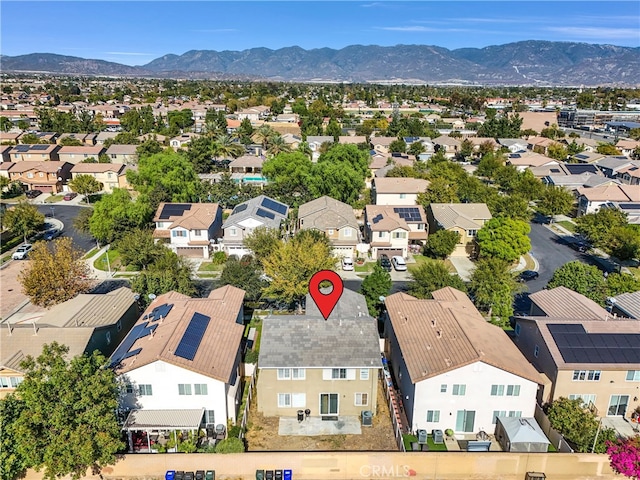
x=478, y=378
x=164, y=379
x=394, y=199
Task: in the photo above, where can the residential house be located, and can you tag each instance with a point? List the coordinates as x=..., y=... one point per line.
x=292, y=140
x=527, y=160
x=5, y=153
x=559, y=301
x=45, y=176
x=74, y=136
x=182, y=140
x=448, y=145
x=352, y=139
x=455, y=370
x=591, y=199
x=104, y=136
x=588, y=157
x=627, y=147
x=464, y=218
x=395, y=230
x=378, y=161
x=630, y=175
x=382, y=144
x=514, y=145
x=47, y=137
x=597, y=361
x=540, y=144
x=181, y=364
x=189, y=229
x=589, y=145
x=288, y=118
x=247, y=164
x=254, y=114
x=257, y=212
x=315, y=143
x=10, y=138
x=397, y=190
x=79, y=154
x=336, y=219
x=611, y=166
x=110, y=175
x=34, y=153
x=626, y=305
x=85, y=323
x=4, y=169
x=329, y=367
x=124, y=154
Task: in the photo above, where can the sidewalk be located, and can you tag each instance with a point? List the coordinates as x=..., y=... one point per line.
x=96, y=273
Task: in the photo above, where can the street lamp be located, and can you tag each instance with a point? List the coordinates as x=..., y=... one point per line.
x=53, y=212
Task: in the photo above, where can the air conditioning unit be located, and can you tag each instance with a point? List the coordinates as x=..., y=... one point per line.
x=367, y=418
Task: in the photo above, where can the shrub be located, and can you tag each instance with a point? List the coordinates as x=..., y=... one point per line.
x=219, y=258
x=251, y=356
x=230, y=445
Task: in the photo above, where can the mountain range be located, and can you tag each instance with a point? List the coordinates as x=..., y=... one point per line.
x=530, y=62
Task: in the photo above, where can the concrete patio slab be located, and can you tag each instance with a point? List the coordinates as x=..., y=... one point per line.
x=621, y=426
x=316, y=426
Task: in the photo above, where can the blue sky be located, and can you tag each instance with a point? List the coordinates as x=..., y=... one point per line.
x=135, y=33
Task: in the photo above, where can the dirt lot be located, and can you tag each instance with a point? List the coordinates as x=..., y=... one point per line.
x=260, y=434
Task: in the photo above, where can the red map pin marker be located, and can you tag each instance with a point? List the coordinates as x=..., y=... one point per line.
x=326, y=302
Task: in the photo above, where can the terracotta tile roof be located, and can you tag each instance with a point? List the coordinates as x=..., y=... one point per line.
x=530, y=159
x=244, y=161
x=218, y=349
x=46, y=166
x=97, y=168
x=400, y=185
x=440, y=335
x=464, y=215
x=86, y=150
x=560, y=302
x=390, y=220
x=199, y=217
x=614, y=193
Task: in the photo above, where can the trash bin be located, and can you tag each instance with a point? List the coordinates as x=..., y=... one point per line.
x=278, y=475
x=300, y=415
x=170, y=475
x=438, y=436
x=307, y=412
x=288, y=475
x=259, y=474
x=535, y=476
x=422, y=436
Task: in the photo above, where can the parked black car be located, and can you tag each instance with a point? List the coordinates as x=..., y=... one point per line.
x=33, y=193
x=528, y=275
x=580, y=246
x=384, y=262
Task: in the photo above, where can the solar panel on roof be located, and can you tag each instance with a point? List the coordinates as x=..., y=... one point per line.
x=578, y=346
x=190, y=341
x=132, y=353
x=128, y=342
x=40, y=147
x=240, y=208
x=148, y=331
x=265, y=214
x=275, y=206
x=409, y=213
x=160, y=311
x=377, y=218
x=174, y=209
x=22, y=148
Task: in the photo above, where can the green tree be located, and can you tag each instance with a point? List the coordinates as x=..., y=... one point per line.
x=138, y=248
x=514, y=206
x=493, y=288
x=607, y=149
x=230, y=445
x=582, y=278
x=441, y=243
x=624, y=242
x=244, y=273
x=30, y=139
x=170, y=272
x=557, y=152
x=54, y=275
x=333, y=129
x=416, y=148
x=619, y=283
x=375, y=285
x=336, y=180
x=440, y=190
x=398, y=145
x=24, y=219
x=555, y=201
x=432, y=275
x=13, y=463
x=81, y=221
x=552, y=132
x=149, y=147
x=116, y=213
x=85, y=185
x=291, y=265
x=262, y=242
x=505, y=126
x=68, y=422
x=290, y=177
x=597, y=227
x=504, y=238
x=70, y=142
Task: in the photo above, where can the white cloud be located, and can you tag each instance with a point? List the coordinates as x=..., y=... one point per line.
x=597, y=32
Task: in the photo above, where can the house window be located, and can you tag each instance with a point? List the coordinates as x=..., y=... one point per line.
x=421, y=226
x=338, y=373
x=233, y=232
x=284, y=374
x=298, y=373
x=517, y=329
x=362, y=399
x=197, y=233
x=145, y=390
x=15, y=381
x=399, y=234
x=498, y=413
x=284, y=400
x=459, y=389
x=128, y=388
x=184, y=389
x=403, y=196
x=471, y=233
x=433, y=415
x=348, y=232
x=515, y=413
x=108, y=335
x=633, y=375
x=364, y=374
x=113, y=155
x=536, y=351
x=29, y=175
x=586, y=375
x=443, y=388
x=513, y=390
x=586, y=398
x=4, y=382
x=380, y=234
x=200, y=389
x=178, y=233
x=497, y=390
x=209, y=417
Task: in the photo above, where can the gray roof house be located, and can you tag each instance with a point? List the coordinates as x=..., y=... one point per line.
x=329, y=367
x=626, y=305
x=257, y=212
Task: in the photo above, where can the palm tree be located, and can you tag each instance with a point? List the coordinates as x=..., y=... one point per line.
x=224, y=146
x=264, y=135
x=278, y=145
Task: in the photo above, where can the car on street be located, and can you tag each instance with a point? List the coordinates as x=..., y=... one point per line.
x=528, y=275
x=347, y=263
x=33, y=193
x=69, y=196
x=580, y=246
x=51, y=234
x=22, y=252
x=398, y=263
x=384, y=262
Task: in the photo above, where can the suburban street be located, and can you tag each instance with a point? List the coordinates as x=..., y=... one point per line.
x=66, y=214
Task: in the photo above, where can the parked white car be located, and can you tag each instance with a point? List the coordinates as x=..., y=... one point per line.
x=398, y=263
x=22, y=252
x=347, y=263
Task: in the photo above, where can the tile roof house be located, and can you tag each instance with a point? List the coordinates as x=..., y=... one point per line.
x=247, y=164
x=561, y=302
x=78, y=154
x=182, y=360
x=5, y=153
x=328, y=366
x=315, y=142
x=34, y=153
x=85, y=323
x=260, y=211
x=627, y=146
x=626, y=305
x=45, y=176
x=336, y=219
x=449, y=145
x=597, y=361
x=464, y=218
x=182, y=140
x=455, y=370
x=394, y=229
x=110, y=175
x=397, y=190
x=188, y=229
x=126, y=154
x=525, y=160
x=590, y=200
x=514, y=144
x=381, y=144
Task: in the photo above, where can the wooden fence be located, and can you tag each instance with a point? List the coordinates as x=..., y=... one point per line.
x=394, y=409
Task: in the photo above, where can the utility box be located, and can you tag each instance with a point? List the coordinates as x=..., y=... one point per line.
x=367, y=418
x=438, y=436
x=535, y=476
x=422, y=437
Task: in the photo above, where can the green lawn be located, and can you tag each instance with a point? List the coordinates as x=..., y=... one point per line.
x=568, y=225
x=210, y=267
x=53, y=198
x=420, y=259
x=366, y=268
x=114, y=261
x=433, y=447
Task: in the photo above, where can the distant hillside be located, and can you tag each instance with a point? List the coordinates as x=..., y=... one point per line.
x=522, y=63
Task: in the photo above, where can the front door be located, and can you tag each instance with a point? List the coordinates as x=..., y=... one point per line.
x=328, y=404
x=465, y=420
x=618, y=405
